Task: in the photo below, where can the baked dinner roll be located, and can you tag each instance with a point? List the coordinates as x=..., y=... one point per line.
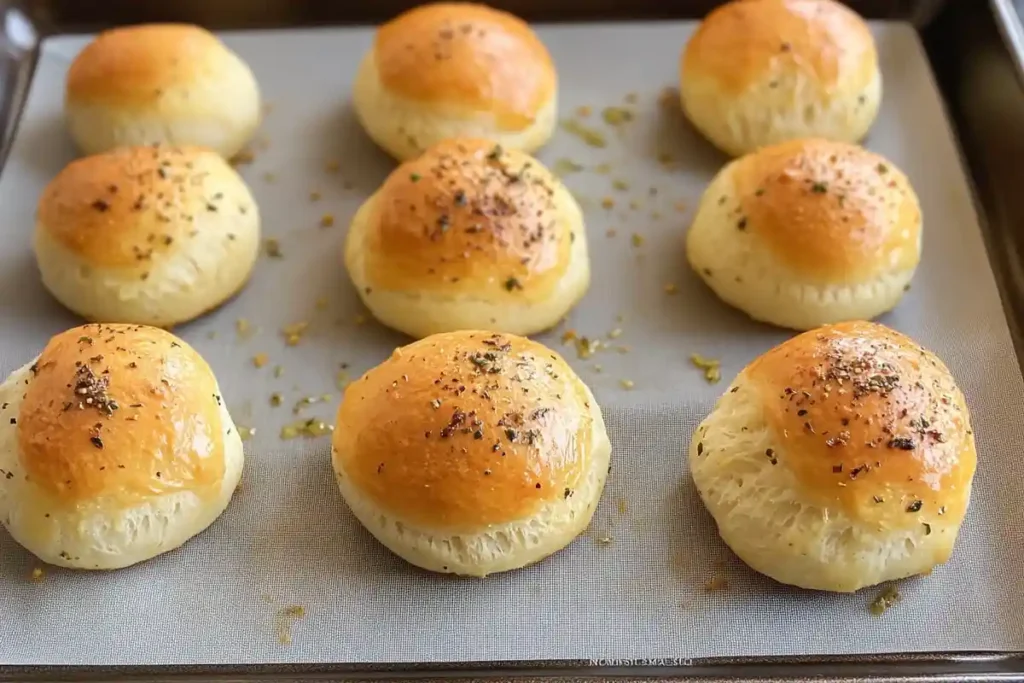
x=469, y=236
x=807, y=233
x=471, y=452
x=841, y=459
x=166, y=83
x=115, y=447
x=448, y=70
x=151, y=235
x=759, y=72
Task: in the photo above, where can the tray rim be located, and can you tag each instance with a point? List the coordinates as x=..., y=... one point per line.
x=1011, y=29
x=905, y=667
x=21, y=66
x=889, y=668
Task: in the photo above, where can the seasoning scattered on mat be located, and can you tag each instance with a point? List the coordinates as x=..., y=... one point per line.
x=885, y=600
x=244, y=328
x=616, y=116
x=286, y=620
x=590, y=136
x=308, y=401
x=712, y=368
x=311, y=428
x=585, y=346
x=272, y=247
x=564, y=167
x=293, y=333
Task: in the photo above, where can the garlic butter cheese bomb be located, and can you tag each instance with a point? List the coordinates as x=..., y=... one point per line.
x=446, y=70
x=152, y=235
x=807, y=233
x=471, y=453
x=760, y=72
x=160, y=83
x=469, y=236
x=840, y=459
x=115, y=447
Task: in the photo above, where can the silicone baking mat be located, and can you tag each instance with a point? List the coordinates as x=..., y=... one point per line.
x=287, y=575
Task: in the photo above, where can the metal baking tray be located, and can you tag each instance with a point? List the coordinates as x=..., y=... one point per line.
x=920, y=666
x=1009, y=15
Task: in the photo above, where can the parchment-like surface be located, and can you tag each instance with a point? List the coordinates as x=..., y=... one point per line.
x=637, y=584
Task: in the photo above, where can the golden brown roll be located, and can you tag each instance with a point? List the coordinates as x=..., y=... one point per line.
x=152, y=235
x=447, y=70
x=469, y=236
x=807, y=233
x=160, y=83
x=115, y=447
x=760, y=72
x=471, y=452
x=840, y=459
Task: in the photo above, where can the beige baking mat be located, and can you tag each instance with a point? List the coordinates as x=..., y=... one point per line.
x=651, y=579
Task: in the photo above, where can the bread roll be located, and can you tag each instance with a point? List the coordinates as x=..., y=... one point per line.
x=447, y=70
x=150, y=235
x=807, y=233
x=160, y=83
x=469, y=236
x=115, y=447
x=471, y=452
x=841, y=459
x=760, y=72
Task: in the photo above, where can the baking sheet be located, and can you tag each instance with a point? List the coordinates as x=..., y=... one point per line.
x=650, y=579
x=1008, y=18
